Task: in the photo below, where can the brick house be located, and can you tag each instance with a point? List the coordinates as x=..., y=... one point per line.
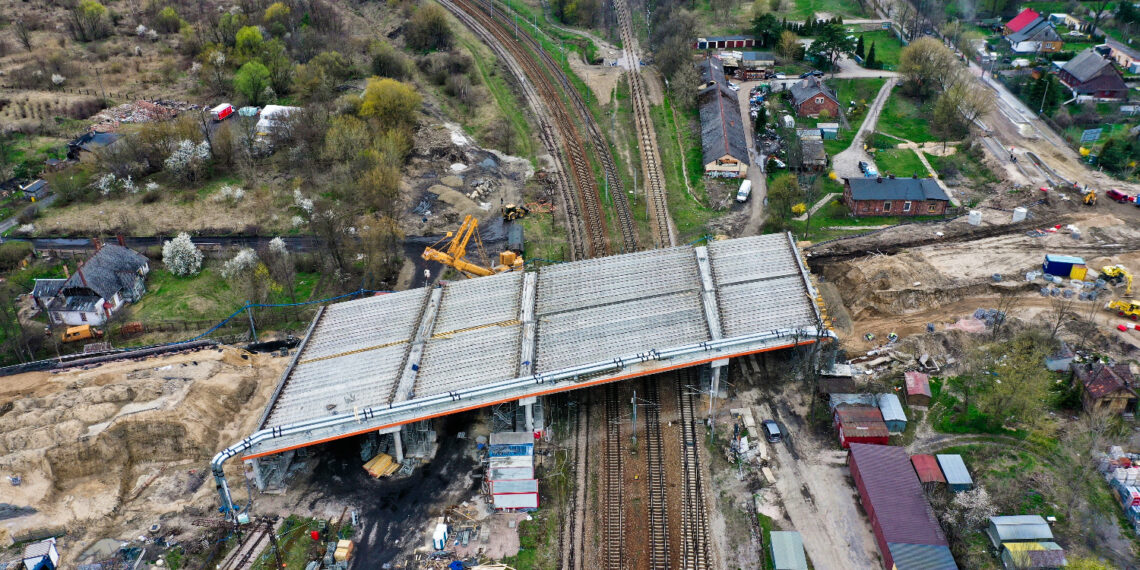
x=811, y=96
x=1092, y=76
x=1105, y=387
x=894, y=197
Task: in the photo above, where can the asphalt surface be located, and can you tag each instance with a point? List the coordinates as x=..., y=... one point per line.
x=13, y=221
x=846, y=163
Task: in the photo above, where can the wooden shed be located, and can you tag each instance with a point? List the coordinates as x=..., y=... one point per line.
x=917, y=388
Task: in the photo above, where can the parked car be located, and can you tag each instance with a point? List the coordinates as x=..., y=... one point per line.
x=1114, y=194
x=772, y=431
x=733, y=86
x=781, y=76
x=744, y=192
x=871, y=172
x=863, y=166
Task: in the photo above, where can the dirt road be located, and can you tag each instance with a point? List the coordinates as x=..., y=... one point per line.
x=846, y=163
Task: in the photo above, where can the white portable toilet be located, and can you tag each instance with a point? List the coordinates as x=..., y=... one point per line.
x=975, y=218
x=1019, y=214
x=439, y=538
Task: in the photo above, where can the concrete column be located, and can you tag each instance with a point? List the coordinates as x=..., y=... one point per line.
x=253, y=471
x=398, y=443
x=714, y=386
x=528, y=408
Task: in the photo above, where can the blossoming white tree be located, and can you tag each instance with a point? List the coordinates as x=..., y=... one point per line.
x=181, y=256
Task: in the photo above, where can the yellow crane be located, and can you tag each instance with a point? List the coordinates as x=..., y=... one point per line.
x=1117, y=273
x=454, y=255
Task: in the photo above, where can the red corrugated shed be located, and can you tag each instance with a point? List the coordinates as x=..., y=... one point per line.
x=926, y=466
x=1026, y=17
x=860, y=424
x=892, y=496
x=917, y=388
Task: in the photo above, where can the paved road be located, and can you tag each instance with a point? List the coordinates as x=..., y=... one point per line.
x=11, y=222
x=846, y=163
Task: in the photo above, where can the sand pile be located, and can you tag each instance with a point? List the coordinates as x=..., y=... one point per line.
x=108, y=451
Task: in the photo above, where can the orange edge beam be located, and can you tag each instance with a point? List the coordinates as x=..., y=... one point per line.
x=543, y=393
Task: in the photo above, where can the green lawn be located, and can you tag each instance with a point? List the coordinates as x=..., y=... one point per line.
x=901, y=162
x=887, y=46
x=690, y=217
x=862, y=92
x=968, y=166
x=206, y=296
x=799, y=9
x=906, y=118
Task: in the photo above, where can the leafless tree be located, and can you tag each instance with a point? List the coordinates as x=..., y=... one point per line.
x=1061, y=313
x=23, y=33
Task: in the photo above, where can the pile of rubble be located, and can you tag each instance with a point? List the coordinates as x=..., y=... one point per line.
x=108, y=120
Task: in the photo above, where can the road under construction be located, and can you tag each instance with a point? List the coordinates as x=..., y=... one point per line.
x=379, y=363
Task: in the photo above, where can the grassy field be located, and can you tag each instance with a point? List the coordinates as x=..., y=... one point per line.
x=507, y=103
x=206, y=296
x=969, y=167
x=689, y=213
x=862, y=92
x=887, y=46
x=900, y=162
x=906, y=118
x=799, y=9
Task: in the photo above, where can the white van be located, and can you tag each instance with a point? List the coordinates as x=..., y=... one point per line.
x=745, y=190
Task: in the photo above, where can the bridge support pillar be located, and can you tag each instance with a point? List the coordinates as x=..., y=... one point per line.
x=397, y=441
x=528, y=409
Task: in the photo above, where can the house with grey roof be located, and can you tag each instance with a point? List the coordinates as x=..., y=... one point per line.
x=787, y=550
x=1092, y=76
x=811, y=96
x=895, y=196
x=723, y=143
x=113, y=276
x=1039, y=36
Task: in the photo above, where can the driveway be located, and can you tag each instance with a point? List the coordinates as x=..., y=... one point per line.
x=755, y=173
x=13, y=221
x=846, y=163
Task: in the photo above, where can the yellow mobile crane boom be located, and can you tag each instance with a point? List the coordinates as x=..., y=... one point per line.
x=455, y=253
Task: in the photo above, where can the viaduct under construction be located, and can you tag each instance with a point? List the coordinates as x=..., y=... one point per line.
x=380, y=363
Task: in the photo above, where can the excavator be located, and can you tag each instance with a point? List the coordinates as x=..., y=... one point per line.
x=454, y=255
x=1116, y=274
x=1089, y=197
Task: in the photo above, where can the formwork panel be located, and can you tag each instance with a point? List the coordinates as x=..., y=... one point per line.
x=608, y=280
x=481, y=301
x=468, y=359
x=356, y=380
x=750, y=259
x=762, y=306
x=597, y=334
x=363, y=323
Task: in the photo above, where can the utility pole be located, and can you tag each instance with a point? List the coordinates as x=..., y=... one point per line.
x=633, y=402
x=252, y=327
x=1041, y=110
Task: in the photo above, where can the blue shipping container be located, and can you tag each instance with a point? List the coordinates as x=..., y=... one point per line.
x=1061, y=265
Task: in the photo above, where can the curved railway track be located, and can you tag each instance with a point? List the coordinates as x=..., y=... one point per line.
x=537, y=92
x=655, y=190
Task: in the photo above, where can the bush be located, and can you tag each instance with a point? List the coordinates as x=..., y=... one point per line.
x=181, y=257
x=428, y=29
x=167, y=21
x=12, y=253
x=28, y=215
x=388, y=62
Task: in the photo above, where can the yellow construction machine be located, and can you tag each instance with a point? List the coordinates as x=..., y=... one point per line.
x=456, y=251
x=512, y=212
x=1116, y=274
x=1129, y=309
x=1090, y=197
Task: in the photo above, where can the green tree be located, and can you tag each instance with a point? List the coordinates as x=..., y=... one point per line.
x=277, y=19
x=276, y=59
x=247, y=42
x=783, y=193
x=1018, y=387
x=871, y=63
x=387, y=61
x=251, y=81
x=830, y=43
x=859, y=47
x=1113, y=156
x=428, y=29
x=767, y=29
x=87, y=21
x=168, y=21
x=391, y=102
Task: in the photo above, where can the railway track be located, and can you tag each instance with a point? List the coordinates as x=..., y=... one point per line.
x=601, y=144
x=500, y=36
x=614, y=520
x=255, y=542
x=570, y=542
x=695, y=553
x=537, y=92
x=655, y=479
x=655, y=191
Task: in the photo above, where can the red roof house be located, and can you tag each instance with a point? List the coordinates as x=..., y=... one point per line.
x=1020, y=21
x=1106, y=387
x=917, y=388
x=860, y=424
